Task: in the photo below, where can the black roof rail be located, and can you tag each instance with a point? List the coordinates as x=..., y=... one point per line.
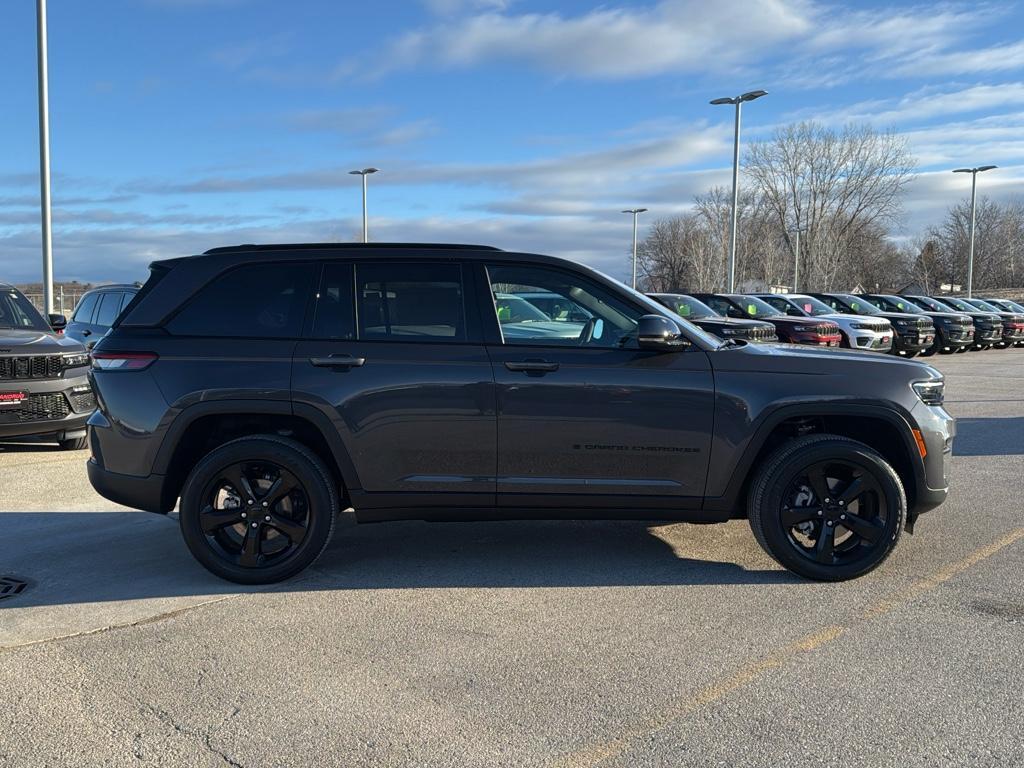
x=348, y=247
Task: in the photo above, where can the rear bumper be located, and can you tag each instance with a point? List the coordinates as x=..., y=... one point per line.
x=145, y=493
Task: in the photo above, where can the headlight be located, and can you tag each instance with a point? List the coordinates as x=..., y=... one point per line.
x=929, y=392
x=733, y=331
x=75, y=359
x=864, y=327
x=806, y=328
x=901, y=323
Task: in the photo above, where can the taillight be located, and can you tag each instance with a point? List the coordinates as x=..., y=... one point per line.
x=122, y=361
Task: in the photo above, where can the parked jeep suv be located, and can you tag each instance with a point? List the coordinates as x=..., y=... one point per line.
x=44, y=390
x=265, y=388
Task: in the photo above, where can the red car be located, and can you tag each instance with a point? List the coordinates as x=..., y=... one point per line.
x=792, y=330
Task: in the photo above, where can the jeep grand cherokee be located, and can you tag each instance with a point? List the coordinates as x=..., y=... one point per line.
x=265, y=388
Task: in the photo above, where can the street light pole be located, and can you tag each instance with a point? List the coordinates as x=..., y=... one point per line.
x=796, y=256
x=44, y=155
x=738, y=102
x=364, y=173
x=636, y=212
x=974, y=194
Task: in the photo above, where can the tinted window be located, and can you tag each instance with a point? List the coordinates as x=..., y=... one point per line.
x=254, y=301
x=83, y=313
x=126, y=299
x=335, y=316
x=687, y=307
x=110, y=305
x=411, y=302
x=17, y=312
x=612, y=322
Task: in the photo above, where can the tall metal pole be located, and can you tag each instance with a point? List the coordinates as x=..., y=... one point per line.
x=734, y=213
x=796, y=263
x=366, y=232
x=970, y=250
x=44, y=155
x=974, y=193
x=735, y=199
x=635, y=214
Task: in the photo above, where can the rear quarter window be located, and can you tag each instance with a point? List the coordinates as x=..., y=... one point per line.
x=266, y=300
x=84, y=310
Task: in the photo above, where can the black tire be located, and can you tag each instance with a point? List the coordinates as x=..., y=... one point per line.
x=911, y=355
x=282, y=527
x=74, y=444
x=838, y=552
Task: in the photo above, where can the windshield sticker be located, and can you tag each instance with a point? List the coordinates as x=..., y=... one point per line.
x=683, y=310
x=751, y=309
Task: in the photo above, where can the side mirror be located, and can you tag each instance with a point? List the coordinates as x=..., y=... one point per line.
x=58, y=322
x=659, y=333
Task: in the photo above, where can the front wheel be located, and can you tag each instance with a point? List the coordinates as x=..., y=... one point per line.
x=258, y=509
x=827, y=508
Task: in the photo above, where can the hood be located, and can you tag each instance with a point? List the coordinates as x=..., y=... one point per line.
x=787, y=320
x=731, y=322
x=899, y=315
x=802, y=359
x=20, y=341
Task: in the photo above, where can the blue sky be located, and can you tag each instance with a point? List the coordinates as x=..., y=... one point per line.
x=179, y=125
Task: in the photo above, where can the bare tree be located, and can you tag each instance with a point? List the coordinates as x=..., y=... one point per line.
x=837, y=184
x=999, y=230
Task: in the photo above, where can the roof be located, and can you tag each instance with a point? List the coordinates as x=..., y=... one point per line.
x=347, y=247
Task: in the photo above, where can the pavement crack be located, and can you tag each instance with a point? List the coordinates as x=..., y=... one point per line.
x=127, y=625
x=205, y=738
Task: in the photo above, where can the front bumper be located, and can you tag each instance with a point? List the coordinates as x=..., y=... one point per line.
x=988, y=335
x=938, y=429
x=916, y=340
x=49, y=408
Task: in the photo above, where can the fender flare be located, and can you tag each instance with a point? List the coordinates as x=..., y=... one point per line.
x=189, y=415
x=743, y=468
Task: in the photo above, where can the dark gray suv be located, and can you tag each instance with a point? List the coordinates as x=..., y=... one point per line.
x=265, y=388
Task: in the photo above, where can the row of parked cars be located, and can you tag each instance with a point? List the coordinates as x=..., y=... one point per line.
x=904, y=325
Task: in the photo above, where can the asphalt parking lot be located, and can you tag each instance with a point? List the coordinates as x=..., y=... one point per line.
x=560, y=644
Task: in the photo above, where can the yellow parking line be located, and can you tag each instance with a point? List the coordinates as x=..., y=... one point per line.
x=597, y=753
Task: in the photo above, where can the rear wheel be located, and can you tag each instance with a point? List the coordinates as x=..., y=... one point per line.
x=258, y=509
x=827, y=507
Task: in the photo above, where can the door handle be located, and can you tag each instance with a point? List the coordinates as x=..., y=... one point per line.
x=87, y=332
x=532, y=366
x=337, y=361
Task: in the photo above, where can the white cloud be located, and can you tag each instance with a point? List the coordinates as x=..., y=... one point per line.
x=605, y=43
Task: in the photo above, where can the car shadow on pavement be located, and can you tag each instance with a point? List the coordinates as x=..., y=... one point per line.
x=989, y=436
x=94, y=557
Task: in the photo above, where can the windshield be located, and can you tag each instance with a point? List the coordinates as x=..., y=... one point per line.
x=512, y=309
x=981, y=304
x=938, y=306
x=811, y=305
x=858, y=305
x=959, y=304
x=1013, y=306
x=898, y=304
x=754, y=307
x=17, y=312
x=686, y=306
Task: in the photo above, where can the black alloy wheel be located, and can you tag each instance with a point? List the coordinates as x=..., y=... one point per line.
x=258, y=510
x=827, y=507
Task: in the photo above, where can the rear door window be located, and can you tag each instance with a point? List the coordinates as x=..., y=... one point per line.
x=257, y=301
x=335, y=317
x=85, y=308
x=110, y=305
x=410, y=302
